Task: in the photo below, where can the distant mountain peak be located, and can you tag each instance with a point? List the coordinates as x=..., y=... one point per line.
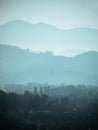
x=25, y=23
x=45, y=25
x=15, y=22
x=42, y=24
x=18, y=22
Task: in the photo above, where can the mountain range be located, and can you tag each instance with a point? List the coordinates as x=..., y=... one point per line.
x=43, y=37
x=23, y=66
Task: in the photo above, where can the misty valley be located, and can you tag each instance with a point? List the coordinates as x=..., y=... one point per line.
x=41, y=91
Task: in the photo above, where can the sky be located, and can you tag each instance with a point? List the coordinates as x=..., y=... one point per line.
x=63, y=14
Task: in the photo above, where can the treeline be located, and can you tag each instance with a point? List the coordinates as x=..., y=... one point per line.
x=48, y=108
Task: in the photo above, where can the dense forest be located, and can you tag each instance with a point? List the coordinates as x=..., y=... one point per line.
x=47, y=107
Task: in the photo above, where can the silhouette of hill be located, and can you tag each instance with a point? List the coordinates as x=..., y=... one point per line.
x=22, y=66
x=47, y=37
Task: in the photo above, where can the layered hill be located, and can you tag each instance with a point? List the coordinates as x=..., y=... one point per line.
x=21, y=66
x=42, y=36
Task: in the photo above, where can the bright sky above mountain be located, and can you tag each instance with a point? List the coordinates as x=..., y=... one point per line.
x=60, y=13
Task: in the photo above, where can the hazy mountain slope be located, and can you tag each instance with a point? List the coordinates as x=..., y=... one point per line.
x=42, y=36
x=21, y=66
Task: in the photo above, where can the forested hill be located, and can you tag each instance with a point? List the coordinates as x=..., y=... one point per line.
x=22, y=66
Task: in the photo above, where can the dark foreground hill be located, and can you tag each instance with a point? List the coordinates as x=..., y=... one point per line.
x=31, y=111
